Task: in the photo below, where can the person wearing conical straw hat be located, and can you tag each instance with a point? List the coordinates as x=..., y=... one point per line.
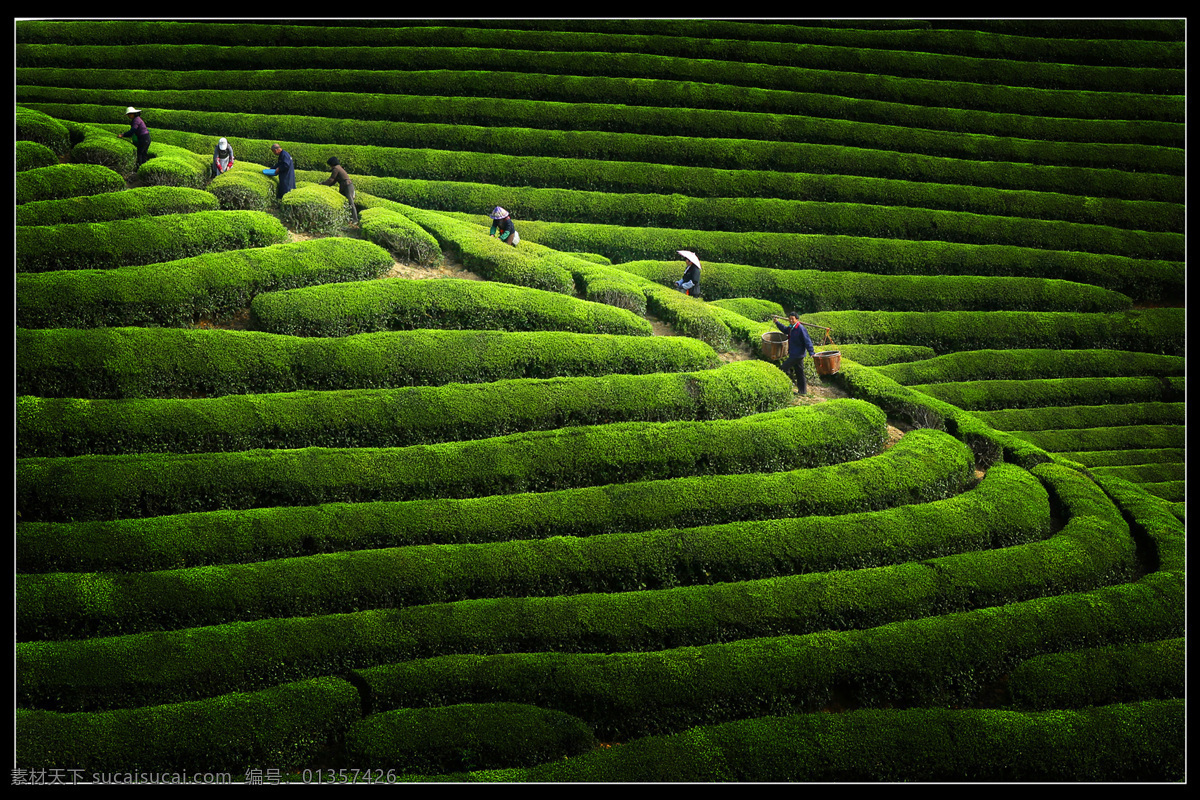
x=502, y=224
x=140, y=134
x=689, y=284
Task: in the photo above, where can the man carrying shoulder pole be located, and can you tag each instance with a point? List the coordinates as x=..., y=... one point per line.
x=798, y=344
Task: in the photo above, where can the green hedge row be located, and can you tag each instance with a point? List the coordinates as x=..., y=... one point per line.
x=61, y=181
x=392, y=417
x=603, y=161
x=948, y=659
x=444, y=179
x=1170, y=491
x=989, y=38
x=807, y=290
x=315, y=209
x=277, y=728
x=1151, y=330
x=152, y=484
x=1151, y=520
x=139, y=362
x=1159, y=473
x=146, y=201
x=1011, y=509
x=91, y=144
x=1116, y=458
x=1135, y=742
x=920, y=468
x=509, y=111
x=36, y=126
x=32, y=155
x=1023, y=40
x=398, y=234
x=1024, y=364
x=1138, y=279
x=244, y=188
x=175, y=166
x=466, y=737
x=341, y=309
x=627, y=91
x=177, y=293
x=1002, y=394
x=1100, y=416
x=1096, y=676
x=1124, y=437
x=142, y=240
x=1107, y=103
x=168, y=666
x=924, y=411
x=741, y=214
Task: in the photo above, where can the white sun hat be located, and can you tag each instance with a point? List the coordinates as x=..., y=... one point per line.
x=132, y=110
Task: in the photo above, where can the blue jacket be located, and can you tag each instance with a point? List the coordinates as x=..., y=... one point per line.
x=286, y=173
x=797, y=337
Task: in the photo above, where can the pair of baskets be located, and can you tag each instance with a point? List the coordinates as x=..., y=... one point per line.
x=775, y=348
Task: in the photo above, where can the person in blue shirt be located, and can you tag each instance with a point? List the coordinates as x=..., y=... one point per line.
x=284, y=170
x=798, y=344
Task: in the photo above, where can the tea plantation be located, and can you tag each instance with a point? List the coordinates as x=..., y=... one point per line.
x=301, y=499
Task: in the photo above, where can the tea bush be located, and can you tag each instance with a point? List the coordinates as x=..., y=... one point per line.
x=147, y=201
x=142, y=240
x=341, y=309
x=59, y=181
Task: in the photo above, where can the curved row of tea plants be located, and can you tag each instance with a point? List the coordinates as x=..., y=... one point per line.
x=391, y=417
x=166, y=362
x=152, y=484
x=177, y=293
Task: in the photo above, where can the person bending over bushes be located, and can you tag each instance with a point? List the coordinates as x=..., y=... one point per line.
x=222, y=157
x=140, y=134
x=502, y=223
x=345, y=185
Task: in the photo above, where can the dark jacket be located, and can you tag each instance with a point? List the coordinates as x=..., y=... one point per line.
x=692, y=273
x=286, y=172
x=504, y=226
x=342, y=179
x=138, y=129
x=798, y=339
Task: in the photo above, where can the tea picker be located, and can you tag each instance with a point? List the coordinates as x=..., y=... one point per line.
x=139, y=133
x=222, y=158
x=689, y=284
x=284, y=169
x=799, y=343
x=502, y=223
